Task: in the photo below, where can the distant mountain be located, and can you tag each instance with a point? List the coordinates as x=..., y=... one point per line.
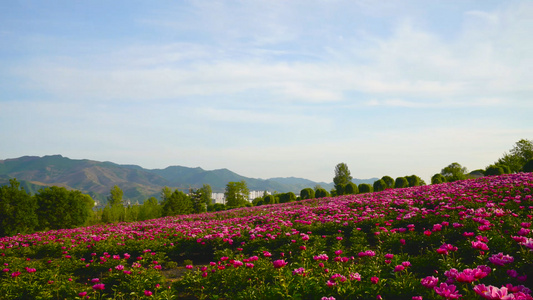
x=97, y=178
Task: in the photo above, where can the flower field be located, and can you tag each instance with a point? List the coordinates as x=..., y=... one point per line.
x=468, y=239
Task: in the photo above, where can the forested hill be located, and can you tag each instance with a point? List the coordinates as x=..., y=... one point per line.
x=97, y=178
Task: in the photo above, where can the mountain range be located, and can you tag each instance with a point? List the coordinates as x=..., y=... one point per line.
x=97, y=178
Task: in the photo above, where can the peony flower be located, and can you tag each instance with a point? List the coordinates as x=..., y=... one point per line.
x=500, y=259
x=279, y=263
x=429, y=282
x=447, y=291
x=147, y=293
x=99, y=286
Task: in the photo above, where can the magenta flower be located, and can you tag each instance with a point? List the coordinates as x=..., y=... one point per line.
x=280, y=263
x=429, y=282
x=480, y=245
x=15, y=274
x=447, y=291
x=500, y=259
x=82, y=294
x=374, y=280
x=399, y=268
x=493, y=293
x=189, y=267
x=99, y=286
x=147, y=293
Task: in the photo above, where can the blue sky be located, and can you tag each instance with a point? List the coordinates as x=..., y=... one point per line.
x=268, y=88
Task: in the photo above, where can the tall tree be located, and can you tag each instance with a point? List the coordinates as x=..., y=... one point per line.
x=201, y=198
x=342, y=174
x=115, y=197
x=453, y=172
x=17, y=210
x=236, y=194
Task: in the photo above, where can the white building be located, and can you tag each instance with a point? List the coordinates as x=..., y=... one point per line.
x=219, y=197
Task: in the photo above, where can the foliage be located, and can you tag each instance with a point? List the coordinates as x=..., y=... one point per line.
x=454, y=172
x=307, y=193
x=350, y=189
x=401, y=182
x=389, y=182
x=177, y=204
x=342, y=174
x=339, y=189
x=201, y=198
x=438, y=178
x=236, y=194
x=379, y=185
x=364, y=188
x=287, y=197
x=414, y=180
x=517, y=157
x=17, y=210
x=429, y=242
x=494, y=170
x=270, y=199
x=59, y=208
x=115, y=197
x=321, y=193
x=528, y=167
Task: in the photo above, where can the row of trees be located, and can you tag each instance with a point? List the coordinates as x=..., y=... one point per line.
x=50, y=208
x=518, y=159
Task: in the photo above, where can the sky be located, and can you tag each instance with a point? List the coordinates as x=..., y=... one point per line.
x=268, y=88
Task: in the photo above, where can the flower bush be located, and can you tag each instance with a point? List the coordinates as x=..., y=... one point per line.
x=468, y=239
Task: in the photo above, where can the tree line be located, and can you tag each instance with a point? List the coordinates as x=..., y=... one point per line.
x=58, y=208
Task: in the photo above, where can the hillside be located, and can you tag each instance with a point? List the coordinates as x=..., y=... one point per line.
x=97, y=178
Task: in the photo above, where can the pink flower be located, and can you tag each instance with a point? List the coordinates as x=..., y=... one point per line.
x=279, y=263
x=389, y=256
x=99, y=286
x=447, y=291
x=119, y=267
x=82, y=294
x=147, y=293
x=374, y=280
x=15, y=274
x=338, y=252
x=189, y=267
x=480, y=245
x=399, y=268
x=500, y=259
x=493, y=293
x=429, y=282
x=355, y=276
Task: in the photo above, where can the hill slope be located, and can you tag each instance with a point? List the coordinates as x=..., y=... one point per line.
x=97, y=178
